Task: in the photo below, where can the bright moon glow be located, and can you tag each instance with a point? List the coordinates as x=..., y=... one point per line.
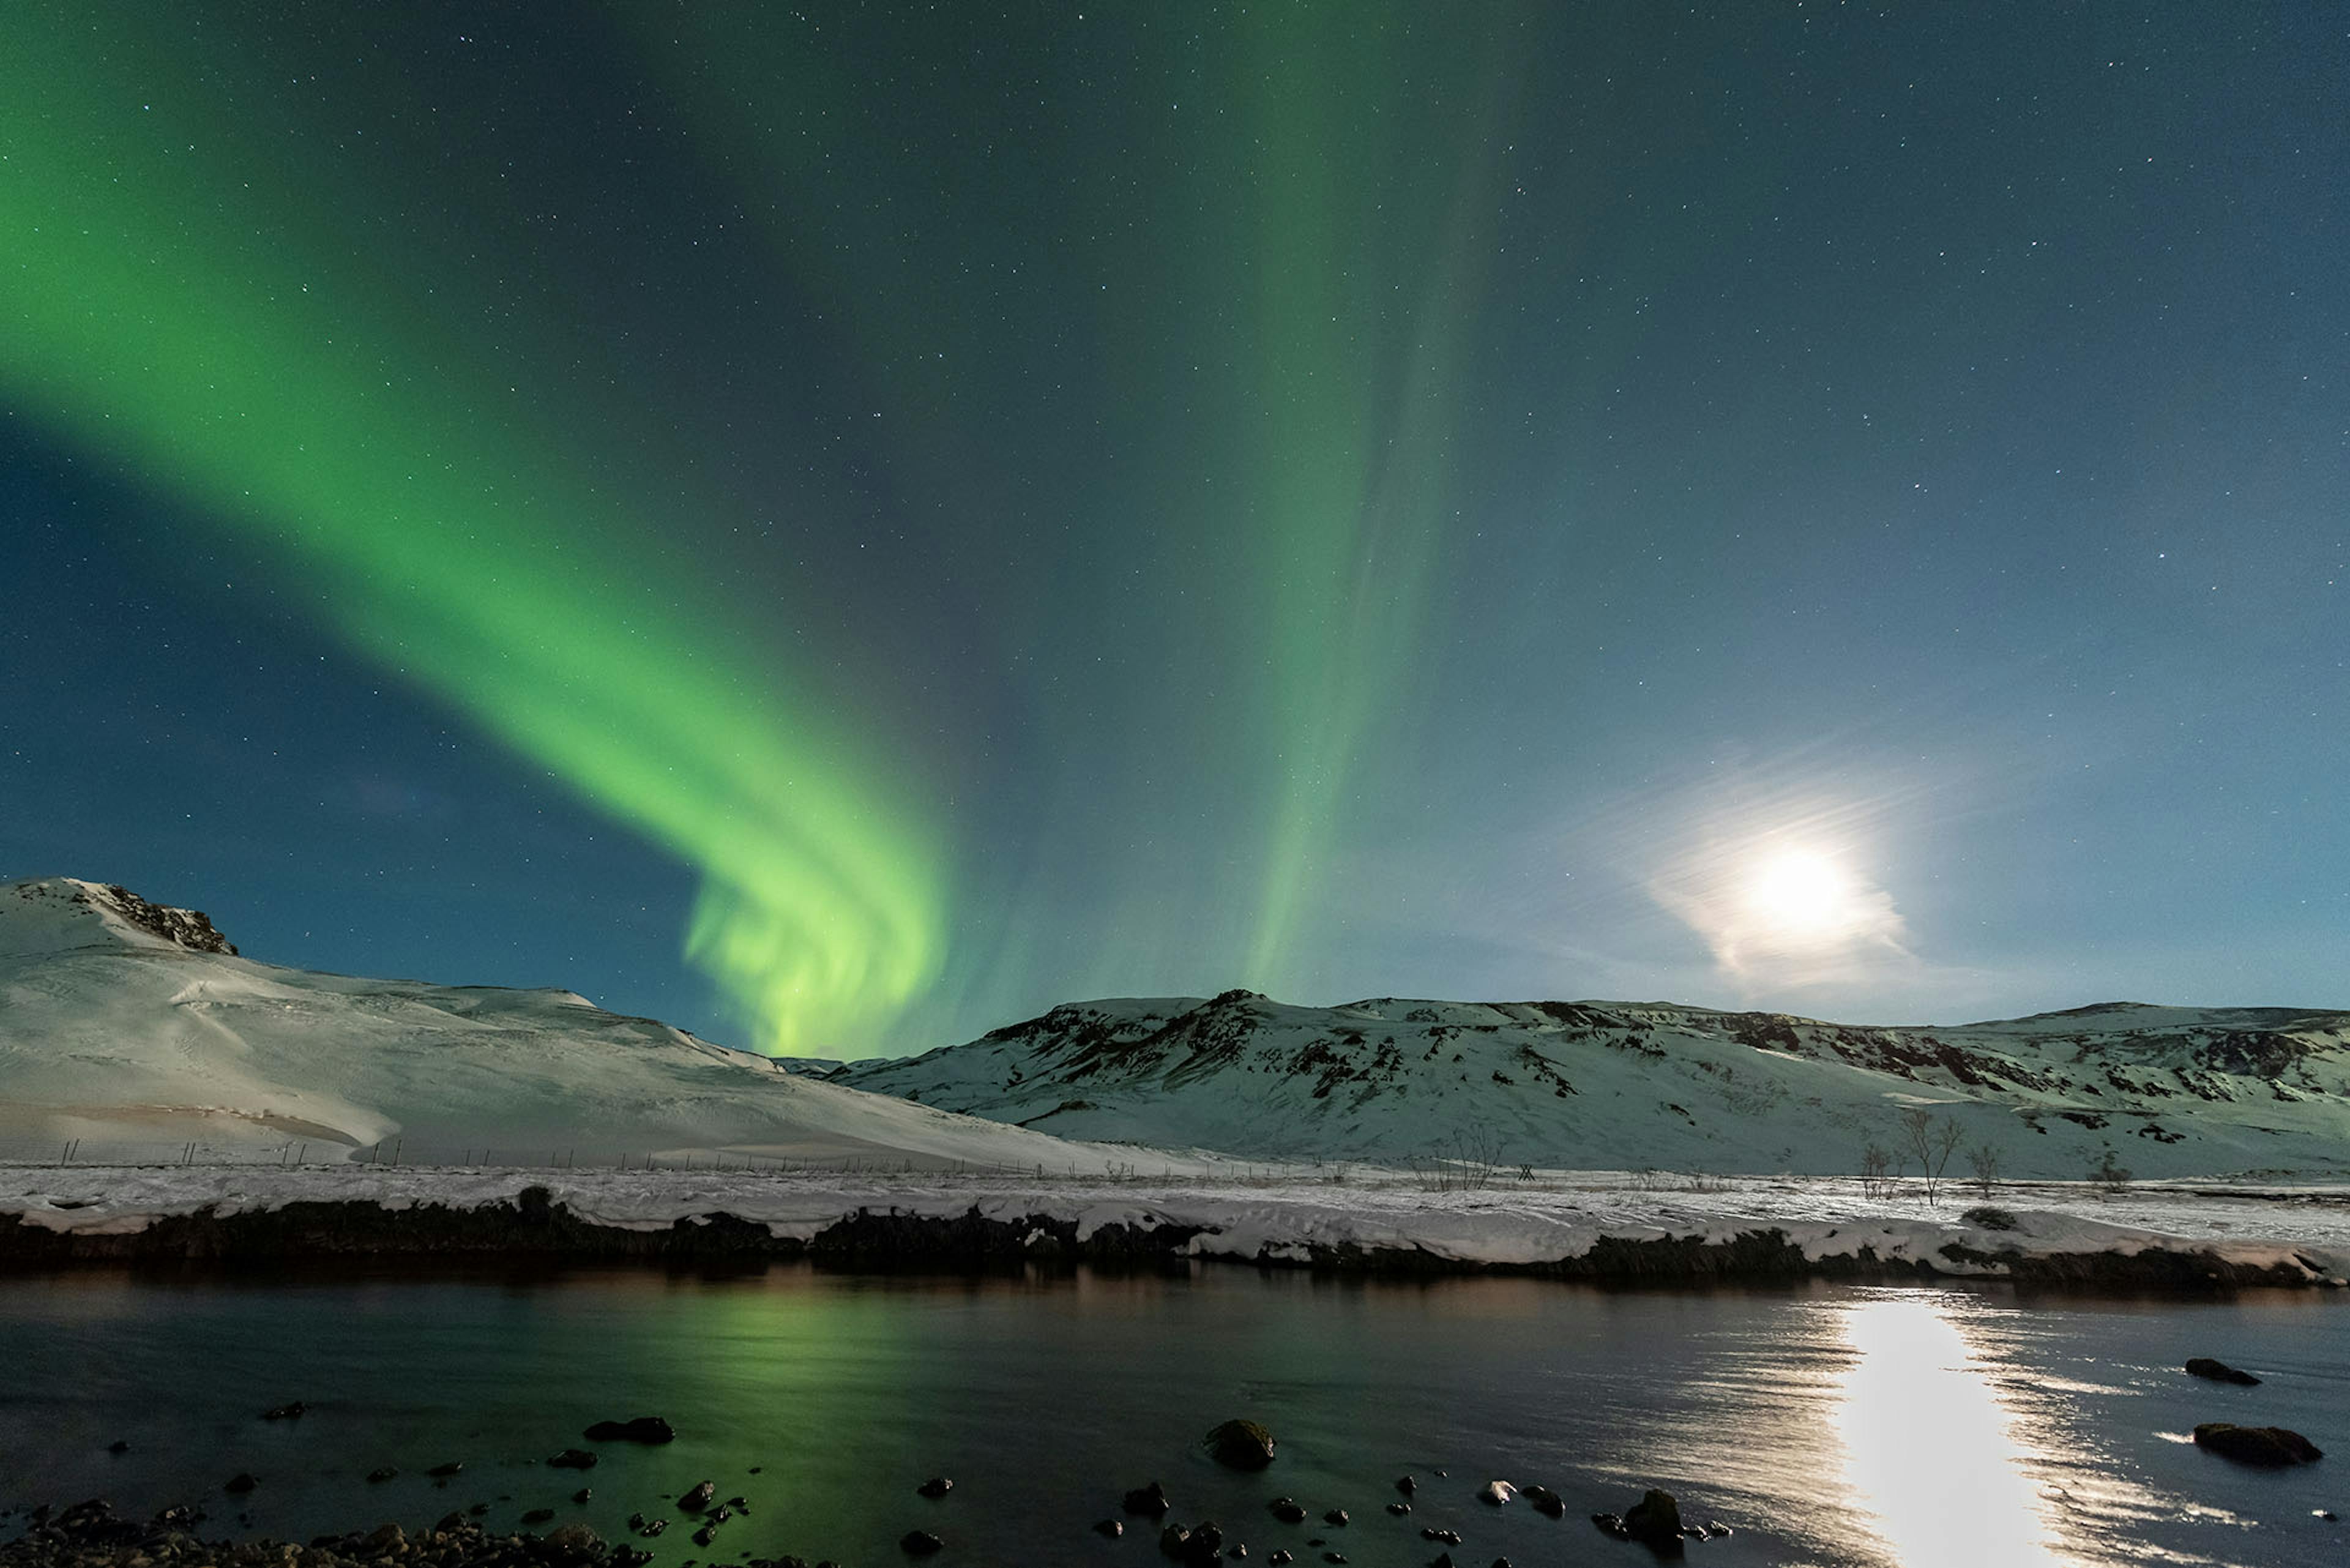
x=1801, y=894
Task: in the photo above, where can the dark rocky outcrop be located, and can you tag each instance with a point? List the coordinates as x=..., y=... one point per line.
x=2220, y=1372
x=1241, y=1445
x=936, y=1487
x=1150, y=1502
x=636, y=1429
x=1655, y=1521
x=919, y=1543
x=2271, y=1448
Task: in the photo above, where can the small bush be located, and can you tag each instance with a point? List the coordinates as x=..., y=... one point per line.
x=1990, y=1218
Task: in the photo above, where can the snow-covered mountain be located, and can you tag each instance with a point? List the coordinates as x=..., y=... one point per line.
x=137, y=1029
x=1615, y=1085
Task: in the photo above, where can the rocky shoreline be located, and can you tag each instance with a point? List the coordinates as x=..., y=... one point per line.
x=535, y=1224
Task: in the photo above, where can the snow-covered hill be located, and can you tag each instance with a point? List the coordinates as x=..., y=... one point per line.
x=1613, y=1086
x=136, y=1029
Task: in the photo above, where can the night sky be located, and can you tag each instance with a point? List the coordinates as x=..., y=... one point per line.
x=843, y=527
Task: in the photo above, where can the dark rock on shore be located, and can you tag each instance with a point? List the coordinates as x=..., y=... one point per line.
x=1241, y=1445
x=1655, y=1521
x=91, y=1536
x=2271, y=1447
x=2220, y=1372
x=636, y=1429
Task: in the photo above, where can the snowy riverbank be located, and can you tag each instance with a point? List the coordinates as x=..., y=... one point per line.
x=1591, y=1224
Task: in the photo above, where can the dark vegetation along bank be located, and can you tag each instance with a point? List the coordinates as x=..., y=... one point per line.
x=536, y=1226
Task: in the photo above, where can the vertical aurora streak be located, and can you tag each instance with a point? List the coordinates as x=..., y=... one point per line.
x=156, y=305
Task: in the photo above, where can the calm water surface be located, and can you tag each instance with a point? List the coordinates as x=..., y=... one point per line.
x=1827, y=1425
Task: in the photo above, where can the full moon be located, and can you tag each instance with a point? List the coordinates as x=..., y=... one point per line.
x=1802, y=894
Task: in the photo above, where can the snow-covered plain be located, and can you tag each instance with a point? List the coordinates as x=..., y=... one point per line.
x=1463, y=1219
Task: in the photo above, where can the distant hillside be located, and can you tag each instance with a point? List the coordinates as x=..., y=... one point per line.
x=135, y=1028
x=1600, y=1084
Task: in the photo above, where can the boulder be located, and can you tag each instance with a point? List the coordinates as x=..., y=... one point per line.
x=1406, y=1485
x=1336, y=1516
x=699, y=1499
x=443, y=1472
x=574, y=1460
x=582, y=1495
x=1109, y=1527
x=573, y=1542
x=635, y=1430
x=919, y=1543
x=1546, y=1502
x=118, y=1446
x=290, y=1411
x=1279, y=1559
x=1496, y=1492
x=2220, y=1372
x=1241, y=1445
x=1289, y=1510
x=244, y=1481
x=937, y=1486
x=539, y=1516
x=2270, y=1446
x=1398, y=1509
x=1655, y=1520
x=1150, y=1501
x=384, y=1540
x=383, y=1473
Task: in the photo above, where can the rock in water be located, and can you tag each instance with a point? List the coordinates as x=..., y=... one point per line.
x=384, y=1474
x=2271, y=1446
x=443, y=1472
x=700, y=1498
x=1289, y=1510
x=582, y=1495
x=539, y=1516
x=1336, y=1516
x=1654, y=1521
x=1406, y=1485
x=937, y=1486
x=2220, y=1372
x=1545, y=1501
x=244, y=1481
x=636, y=1429
x=919, y=1543
x=1109, y=1527
x=574, y=1542
x=1150, y=1501
x=574, y=1460
x=1241, y=1444
x=1496, y=1492
x=290, y=1411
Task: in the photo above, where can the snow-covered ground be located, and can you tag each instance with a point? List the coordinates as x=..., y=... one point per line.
x=134, y=1032
x=1282, y=1217
x=2164, y=1091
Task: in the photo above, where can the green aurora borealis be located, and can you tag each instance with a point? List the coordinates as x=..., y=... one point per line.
x=1341, y=498
x=218, y=317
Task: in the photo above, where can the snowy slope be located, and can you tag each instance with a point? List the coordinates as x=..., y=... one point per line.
x=1584, y=1085
x=137, y=1029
